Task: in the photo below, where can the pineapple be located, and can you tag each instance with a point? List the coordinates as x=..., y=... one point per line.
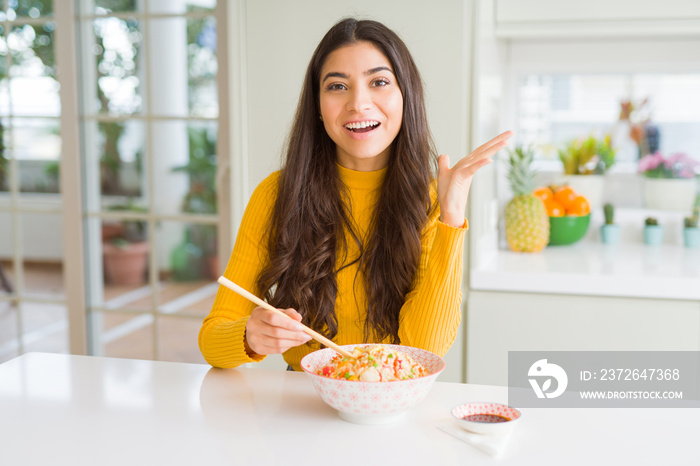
x=527, y=222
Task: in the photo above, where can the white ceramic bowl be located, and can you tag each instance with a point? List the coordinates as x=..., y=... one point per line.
x=486, y=418
x=372, y=402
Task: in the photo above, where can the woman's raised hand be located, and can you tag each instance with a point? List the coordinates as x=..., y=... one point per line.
x=269, y=333
x=454, y=183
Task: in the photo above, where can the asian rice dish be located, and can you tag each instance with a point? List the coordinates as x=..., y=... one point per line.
x=376, y=363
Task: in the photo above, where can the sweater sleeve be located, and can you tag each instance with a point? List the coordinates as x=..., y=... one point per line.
x=221, y=338
x=431, y=315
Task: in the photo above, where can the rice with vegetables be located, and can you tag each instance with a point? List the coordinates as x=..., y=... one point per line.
x=375, y=363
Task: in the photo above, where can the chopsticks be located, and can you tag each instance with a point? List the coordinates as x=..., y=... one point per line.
x=250, y=296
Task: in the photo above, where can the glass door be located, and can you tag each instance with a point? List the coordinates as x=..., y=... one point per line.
x=33, y=311
x=149, y=126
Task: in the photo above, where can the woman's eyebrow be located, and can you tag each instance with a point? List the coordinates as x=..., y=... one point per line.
x=335, y=74
x=378, y=69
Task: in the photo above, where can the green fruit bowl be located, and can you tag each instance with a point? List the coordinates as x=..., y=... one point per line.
x=567, y=229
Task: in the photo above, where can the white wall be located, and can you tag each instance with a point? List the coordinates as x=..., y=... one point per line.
x=487, y=119
x=40, y=234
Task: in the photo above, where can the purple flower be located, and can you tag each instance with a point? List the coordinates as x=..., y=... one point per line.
x=677, y=165
x=650, y=162
x=685, y=173
x=675, y=159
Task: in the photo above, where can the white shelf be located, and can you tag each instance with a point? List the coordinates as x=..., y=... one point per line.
x=596, y=18
x=591, y=268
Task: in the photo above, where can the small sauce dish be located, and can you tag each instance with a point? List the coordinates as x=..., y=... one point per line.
x=486, y=418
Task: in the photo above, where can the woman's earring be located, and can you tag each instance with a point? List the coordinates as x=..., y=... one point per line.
x=320, y=117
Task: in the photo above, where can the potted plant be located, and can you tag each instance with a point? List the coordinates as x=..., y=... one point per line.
x=669, y=182
x=610, y=231
x=125, y=249
x=591, y=157
x=653, y=232
x=691, y=232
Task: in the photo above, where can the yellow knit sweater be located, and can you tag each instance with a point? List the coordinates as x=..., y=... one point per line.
x=429, y=318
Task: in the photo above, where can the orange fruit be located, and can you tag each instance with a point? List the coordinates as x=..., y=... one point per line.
x=565, y=196
x=554, y=209
x=579, y=206
x=544, y=193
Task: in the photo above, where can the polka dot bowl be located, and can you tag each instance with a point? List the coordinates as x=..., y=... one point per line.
x=486, y=418
x=372, y=402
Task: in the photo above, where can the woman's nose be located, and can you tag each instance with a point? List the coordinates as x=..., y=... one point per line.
x=360, y=100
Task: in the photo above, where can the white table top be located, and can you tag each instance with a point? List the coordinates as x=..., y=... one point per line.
x=79, y=410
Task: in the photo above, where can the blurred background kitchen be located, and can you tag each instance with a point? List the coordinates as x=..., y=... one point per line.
x=132, y=133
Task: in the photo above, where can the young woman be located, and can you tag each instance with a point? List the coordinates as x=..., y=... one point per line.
x=353, y=236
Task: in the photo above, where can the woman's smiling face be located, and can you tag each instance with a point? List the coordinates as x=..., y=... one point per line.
x=361, y=105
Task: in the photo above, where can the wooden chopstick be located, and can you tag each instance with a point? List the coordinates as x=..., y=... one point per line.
x=250, y=296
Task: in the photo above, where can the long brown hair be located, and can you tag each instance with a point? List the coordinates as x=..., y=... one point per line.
x=310, y=214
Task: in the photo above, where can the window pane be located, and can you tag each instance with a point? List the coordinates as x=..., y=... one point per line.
x=7, y=245
x=45, y=327
x=185, y=167
x=114, y=6
x=34, y=91
x=4, y=96
x=168, y=67
x=126, y=335
x=31, y=47
x=121, y=164
x=31, y=8
x=554, y=109
x=34, y=96
x=183, y=67
x=39, y=176
x=7, y=275
x=202, y=67
x=44, y=278
x=5, y=165
x=177, y=340
x=189, y=266
x=114, y=160
x=9, y=339
x=181, y=6
x=125, y=258
x=186, y=253
x=37, y=147
x=118, y=265
x=193, y=297
x=36, y=138
x=42, y=253
x=116, y=49
x=3, y=68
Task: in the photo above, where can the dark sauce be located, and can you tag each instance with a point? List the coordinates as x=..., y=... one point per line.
x=486, y=418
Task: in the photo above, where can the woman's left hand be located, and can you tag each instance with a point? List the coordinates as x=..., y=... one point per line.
x=454, y=183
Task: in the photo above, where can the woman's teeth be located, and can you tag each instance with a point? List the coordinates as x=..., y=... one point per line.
x=362, y=126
